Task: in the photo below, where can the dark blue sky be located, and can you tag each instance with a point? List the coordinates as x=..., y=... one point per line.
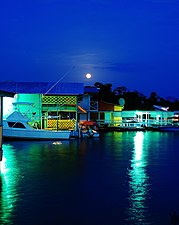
x=132, y=43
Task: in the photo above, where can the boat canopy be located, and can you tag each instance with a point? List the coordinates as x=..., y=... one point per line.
x=88, y=123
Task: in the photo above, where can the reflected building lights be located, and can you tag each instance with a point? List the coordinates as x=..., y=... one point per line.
x=9, y=181
x=138, y=183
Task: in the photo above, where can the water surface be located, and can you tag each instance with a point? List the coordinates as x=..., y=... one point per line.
x=128, y=178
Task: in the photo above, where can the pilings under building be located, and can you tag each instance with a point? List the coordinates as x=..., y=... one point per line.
x=2, y=94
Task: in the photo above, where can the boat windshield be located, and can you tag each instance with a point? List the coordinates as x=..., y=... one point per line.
x=16, y=125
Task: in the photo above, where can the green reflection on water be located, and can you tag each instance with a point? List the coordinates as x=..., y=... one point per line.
x=138, y=182
x=9, y=180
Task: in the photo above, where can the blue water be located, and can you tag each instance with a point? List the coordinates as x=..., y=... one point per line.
x=127, y=178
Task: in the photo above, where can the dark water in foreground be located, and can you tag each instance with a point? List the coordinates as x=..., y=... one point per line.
x=124, y=178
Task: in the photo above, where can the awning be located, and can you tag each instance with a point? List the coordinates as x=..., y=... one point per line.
x=88, y=123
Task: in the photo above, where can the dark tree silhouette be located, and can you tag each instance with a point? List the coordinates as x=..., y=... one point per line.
x=134, y=100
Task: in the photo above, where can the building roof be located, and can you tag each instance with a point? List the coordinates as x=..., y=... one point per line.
x=6, y=94
x=42, y=88
x=91, y=89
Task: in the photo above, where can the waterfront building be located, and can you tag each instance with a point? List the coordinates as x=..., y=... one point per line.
x=104, y=113
x=63, y=105
x=147, y=118
x=45, y=104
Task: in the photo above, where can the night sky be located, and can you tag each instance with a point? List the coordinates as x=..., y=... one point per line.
x=132, y=43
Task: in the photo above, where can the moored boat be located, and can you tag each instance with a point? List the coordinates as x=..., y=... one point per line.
x=90, y=134
x=89, y=129
x=16, y=126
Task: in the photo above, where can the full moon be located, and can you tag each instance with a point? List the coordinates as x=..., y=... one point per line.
x=88, y=75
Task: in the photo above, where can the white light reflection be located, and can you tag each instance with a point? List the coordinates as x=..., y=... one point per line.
x=138, y=183
x=9, y=179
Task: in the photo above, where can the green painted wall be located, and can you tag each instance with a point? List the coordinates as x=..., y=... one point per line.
x=30, y=105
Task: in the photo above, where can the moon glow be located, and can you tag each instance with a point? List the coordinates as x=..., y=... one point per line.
x=88, y=75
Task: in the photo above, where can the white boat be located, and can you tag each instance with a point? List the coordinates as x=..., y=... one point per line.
x=161, y=108
x=16, y=126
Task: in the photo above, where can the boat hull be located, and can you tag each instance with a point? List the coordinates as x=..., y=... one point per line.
x=94, y=135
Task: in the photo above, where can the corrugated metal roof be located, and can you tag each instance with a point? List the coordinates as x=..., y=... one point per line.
x=89, y=89
x=43, y=88
x=6, y=94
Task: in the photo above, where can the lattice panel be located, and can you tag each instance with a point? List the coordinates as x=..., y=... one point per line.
x=59, y=99
x=62, y=124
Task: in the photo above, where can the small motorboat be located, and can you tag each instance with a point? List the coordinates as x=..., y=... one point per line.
x=90, y=134
x=89, y=129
